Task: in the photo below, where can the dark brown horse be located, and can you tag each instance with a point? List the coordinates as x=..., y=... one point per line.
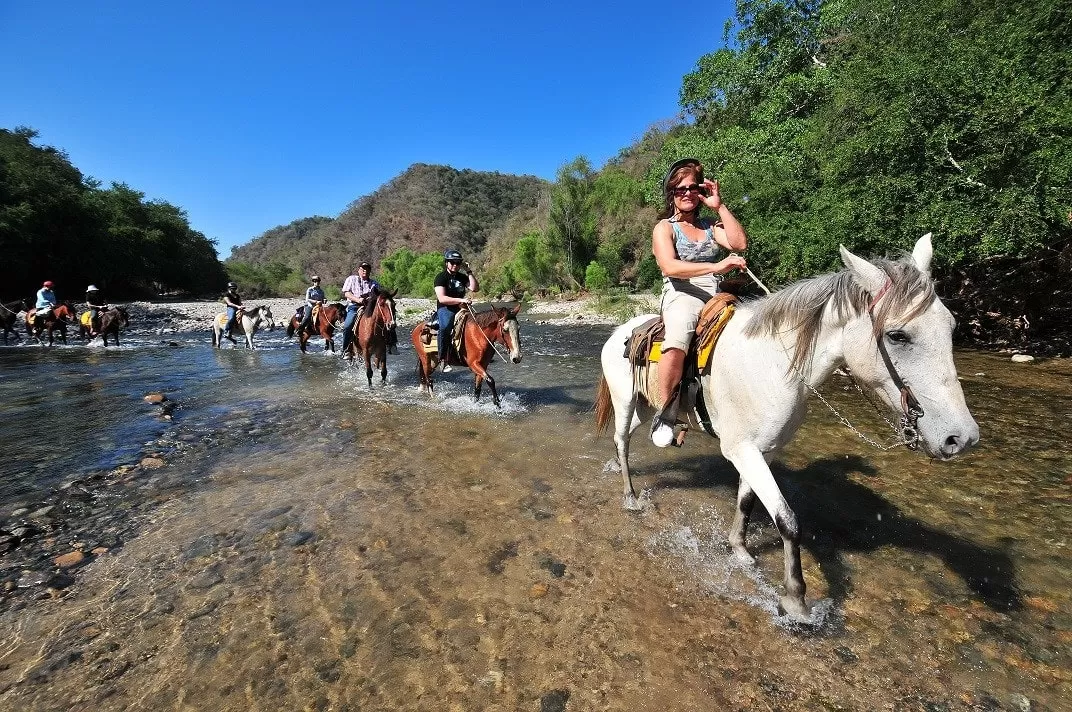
x=9, y=312
x=58, y=318
x=374, y=332
x=480, y=333
x=109, y=320
x=323, y=323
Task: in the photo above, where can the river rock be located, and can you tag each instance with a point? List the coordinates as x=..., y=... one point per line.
x=155, y=398
x=1022, y=358
x=71, y=558
x=151, y=463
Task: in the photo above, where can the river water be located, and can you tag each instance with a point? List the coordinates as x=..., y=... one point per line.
x=291, y=540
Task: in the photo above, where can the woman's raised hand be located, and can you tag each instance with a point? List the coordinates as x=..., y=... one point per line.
x=712, y=199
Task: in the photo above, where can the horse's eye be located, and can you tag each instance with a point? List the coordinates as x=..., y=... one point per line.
x=898, y=337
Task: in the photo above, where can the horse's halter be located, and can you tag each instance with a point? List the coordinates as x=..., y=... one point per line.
x=911, y=410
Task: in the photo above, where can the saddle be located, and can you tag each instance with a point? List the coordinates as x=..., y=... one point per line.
x=428, y=340
x=644, y=347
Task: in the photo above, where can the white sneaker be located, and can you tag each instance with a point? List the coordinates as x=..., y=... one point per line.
x=662, y=435
x=447, y=369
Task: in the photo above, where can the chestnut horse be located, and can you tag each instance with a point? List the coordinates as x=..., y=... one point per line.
x=59, y=317
x=109, y=319
x=480, y=333
x=323, y=323
x=374, y=332
x=9, y=312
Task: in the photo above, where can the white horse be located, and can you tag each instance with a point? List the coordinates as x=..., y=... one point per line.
x=882, y=321
x=249, y=321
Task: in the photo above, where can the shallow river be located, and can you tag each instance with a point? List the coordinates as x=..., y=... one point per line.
x=295, y=541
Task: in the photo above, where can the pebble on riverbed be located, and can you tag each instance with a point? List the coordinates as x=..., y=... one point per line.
x=1022, y=358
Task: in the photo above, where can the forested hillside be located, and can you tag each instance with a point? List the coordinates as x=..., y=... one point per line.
x=425, y=209
x=57, y=224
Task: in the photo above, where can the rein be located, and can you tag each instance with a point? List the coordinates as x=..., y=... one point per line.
x=482, y=333
x=5, y=308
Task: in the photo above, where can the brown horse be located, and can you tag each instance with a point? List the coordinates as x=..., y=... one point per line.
x=480, y=333
x=58, y=318
x=9, y=312
x=109, y=320
x=374, y=332
x=323, y=323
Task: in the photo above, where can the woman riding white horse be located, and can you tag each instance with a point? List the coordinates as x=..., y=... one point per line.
x=248, y=321
x=882, y=321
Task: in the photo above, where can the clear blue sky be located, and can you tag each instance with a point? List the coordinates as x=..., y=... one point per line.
x=251, y=114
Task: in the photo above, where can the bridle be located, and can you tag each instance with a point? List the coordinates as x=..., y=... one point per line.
x=911, y=410
x=501, y=322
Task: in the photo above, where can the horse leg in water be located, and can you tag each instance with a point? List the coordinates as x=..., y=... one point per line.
x=381, y=362
x=367, y=354
x=756, y=475
x=480, y=376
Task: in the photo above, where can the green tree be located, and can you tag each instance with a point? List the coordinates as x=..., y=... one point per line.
x=573, y=223
x=596, y=277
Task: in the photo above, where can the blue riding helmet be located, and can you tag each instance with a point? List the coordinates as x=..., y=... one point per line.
x=452, y=256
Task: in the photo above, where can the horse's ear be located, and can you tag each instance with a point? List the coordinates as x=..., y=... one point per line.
x=866, y=274
x=392, y=293
x=922, y=254
x=516, y=309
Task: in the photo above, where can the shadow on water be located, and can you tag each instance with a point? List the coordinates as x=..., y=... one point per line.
x=839, y=515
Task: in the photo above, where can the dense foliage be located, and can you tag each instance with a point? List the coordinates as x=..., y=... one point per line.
x=57, y=224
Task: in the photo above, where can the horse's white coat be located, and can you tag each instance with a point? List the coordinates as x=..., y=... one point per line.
x=249, y=321
x=757, y=401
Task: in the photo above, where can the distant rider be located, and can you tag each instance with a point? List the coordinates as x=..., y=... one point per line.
x=450, y=287
x=354, y=290
x=95, y=302
x=233, y=302
x=46, y=302
x=314, y=296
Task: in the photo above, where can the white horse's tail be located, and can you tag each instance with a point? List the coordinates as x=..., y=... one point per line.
x=604, y=406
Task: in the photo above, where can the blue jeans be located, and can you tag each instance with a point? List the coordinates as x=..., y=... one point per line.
x=231, y=314
x=352, y=310
x=445, y=315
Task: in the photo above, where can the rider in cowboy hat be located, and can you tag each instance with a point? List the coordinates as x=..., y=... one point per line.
x=313, y=295
x=95, y=302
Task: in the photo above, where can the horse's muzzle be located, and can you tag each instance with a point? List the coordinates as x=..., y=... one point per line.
x=516, y=359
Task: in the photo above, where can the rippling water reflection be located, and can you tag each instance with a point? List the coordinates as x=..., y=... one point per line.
x=318, y=545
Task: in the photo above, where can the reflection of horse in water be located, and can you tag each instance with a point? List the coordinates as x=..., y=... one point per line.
x=248, y=321
x=9, y=313
x=57, y=319
x=374, y=332
x=477, y=335
x=882, y=321
x=109, y=321
x=323, y=322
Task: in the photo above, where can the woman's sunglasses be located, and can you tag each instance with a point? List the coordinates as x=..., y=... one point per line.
x=683, y=190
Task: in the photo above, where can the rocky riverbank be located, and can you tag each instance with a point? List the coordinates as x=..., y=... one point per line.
x=174, y=317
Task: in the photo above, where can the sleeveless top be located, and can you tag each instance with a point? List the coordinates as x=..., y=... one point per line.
x=707, y=250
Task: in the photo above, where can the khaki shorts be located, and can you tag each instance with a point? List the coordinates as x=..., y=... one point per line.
x=680, y=313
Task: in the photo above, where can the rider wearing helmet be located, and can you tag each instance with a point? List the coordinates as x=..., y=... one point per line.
x=95, y=302
x=451, y=286
x=690, y=251
x=354, y=290
x=314, y=295
x=233, y=302
x=46, y=301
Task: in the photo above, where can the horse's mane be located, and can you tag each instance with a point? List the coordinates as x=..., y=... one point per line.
x=489, y=317
x=800, y=306
x=370, y=304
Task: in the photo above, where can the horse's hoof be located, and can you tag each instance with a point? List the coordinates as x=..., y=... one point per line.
x=742, y=556
x=630, y=503
x=795, y=608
